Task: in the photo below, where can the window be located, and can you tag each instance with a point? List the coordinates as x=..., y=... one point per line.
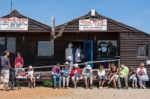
x=7, y=43
x=11, y=44
x=142, y=50
x=2, y=45
x=107, y=49
x=45, y=48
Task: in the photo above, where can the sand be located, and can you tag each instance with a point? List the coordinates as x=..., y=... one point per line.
x=79, y=93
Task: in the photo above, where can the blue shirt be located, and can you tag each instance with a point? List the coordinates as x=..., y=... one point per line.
x=5, y=62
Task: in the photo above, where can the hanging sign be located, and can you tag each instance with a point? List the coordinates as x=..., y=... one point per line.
x=93, y=25
x=13, y=23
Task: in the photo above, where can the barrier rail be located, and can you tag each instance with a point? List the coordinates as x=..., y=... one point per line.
x=84, y=63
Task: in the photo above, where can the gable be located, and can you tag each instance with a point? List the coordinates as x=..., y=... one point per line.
x=112, y=25
x=33, y=25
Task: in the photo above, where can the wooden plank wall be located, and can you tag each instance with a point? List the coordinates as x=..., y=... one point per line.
x=128, y=49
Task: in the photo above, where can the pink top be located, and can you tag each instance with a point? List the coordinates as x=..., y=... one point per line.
x=19, y=62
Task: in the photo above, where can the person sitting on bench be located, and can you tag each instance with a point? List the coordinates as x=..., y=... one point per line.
x=142, y=75
x=101, y=75
x=124, y=72
x=133, y=78
x=75, y=75
x=31, y=76
x=88, y=76
x=56, y=73
x=66, y=75
x=113, y=76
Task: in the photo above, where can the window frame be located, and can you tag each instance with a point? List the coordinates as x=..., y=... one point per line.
x=146, y=53
x=6, y=42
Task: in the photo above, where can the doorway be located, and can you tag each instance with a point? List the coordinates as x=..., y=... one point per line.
x=86, y=50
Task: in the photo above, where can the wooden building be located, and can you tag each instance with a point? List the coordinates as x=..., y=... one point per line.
x=100, y=38
x=25, y=41
x=129, y=44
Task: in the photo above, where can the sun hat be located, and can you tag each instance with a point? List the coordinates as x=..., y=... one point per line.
x=76, y=65
x=30, y=67
x=66, y=63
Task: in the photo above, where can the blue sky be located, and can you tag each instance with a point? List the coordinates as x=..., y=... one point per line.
x=134, y=13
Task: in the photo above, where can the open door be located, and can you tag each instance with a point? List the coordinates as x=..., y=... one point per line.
x=88, y=51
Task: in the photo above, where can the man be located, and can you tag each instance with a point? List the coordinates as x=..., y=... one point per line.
x=56, y=73
x=124, y=71
x=88, y=75
x=78, y=54
x=5, y=66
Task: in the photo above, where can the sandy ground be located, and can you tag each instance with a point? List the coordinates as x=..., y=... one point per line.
x=79, y=93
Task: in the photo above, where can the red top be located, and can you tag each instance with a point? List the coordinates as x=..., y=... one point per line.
x=75, y=70
x=19, y=62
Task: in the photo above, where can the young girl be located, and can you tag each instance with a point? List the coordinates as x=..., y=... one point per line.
x=133, y=78
x=31, y=76
x=142, y=75
x=101, y=75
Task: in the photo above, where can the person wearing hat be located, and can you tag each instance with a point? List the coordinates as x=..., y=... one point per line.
x=31, y=76
x=88, y=75
x=56, y=74
x=75, y=74
x=66, y=75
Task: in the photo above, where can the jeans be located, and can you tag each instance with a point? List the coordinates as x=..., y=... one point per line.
x=125, y=79
x=65, y=81
x=57, y=81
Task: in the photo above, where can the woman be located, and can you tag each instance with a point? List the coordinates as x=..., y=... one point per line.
x=19, y=62
x=75, y=75
x=101, y=75
x=66, y=75
x=113, y=75
x=56, y=74
x=88, y=76
x=142, y=75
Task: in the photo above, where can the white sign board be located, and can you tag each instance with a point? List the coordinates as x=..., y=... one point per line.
x=148, y=62
x=93, y=25
x=13, y=23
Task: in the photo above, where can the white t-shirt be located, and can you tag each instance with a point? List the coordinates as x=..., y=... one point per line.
x=78, y=55
x=101, y=73
x=30, y=73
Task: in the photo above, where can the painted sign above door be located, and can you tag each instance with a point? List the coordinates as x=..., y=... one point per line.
x=13, y=23
x=93, y=25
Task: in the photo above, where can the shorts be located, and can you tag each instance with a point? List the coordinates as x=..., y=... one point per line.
x=5, y=75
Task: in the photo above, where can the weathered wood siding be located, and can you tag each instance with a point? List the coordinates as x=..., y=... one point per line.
x=129, y=47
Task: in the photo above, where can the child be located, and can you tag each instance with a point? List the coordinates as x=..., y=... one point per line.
x=101, y=75
x=22, y=73
x=31, y=76
x=133, y=78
